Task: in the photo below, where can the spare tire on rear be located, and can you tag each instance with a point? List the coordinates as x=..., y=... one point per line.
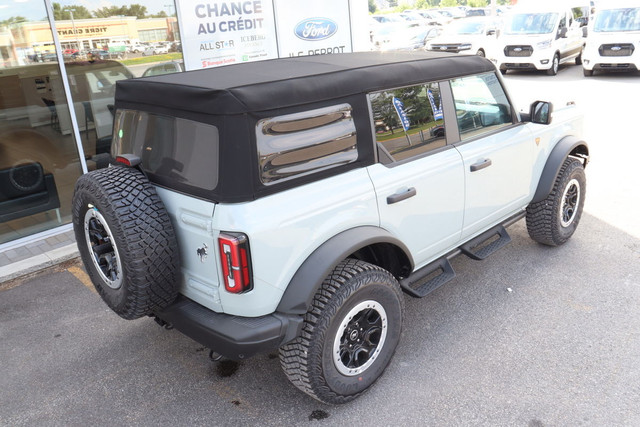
x=126, y=241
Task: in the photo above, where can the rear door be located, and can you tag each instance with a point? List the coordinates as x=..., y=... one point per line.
x=419, y=180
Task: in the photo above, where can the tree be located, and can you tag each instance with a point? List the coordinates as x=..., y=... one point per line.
x=64, y=13
x=372, y=6
x=13, y=20
x=136, y=10
x=161, y=14
x=448, y=3
x=478, y=3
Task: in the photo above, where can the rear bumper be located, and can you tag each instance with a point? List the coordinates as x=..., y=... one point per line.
x=233, y=337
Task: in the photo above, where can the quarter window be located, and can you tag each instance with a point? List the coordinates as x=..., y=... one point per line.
x=303, y=143
x=408, y=121
x=481, y=105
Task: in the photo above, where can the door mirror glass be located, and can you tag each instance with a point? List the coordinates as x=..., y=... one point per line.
x=540, y=112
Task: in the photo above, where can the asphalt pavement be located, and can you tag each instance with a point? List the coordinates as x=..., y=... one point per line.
x=532, y=336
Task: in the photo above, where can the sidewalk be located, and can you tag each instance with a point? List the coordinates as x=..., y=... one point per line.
x=20, y=260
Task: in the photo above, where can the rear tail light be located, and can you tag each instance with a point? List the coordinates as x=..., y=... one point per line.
x=235, y=260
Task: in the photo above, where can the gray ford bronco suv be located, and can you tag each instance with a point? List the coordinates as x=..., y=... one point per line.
x=288, y=204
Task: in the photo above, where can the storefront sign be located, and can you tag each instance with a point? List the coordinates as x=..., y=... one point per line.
x=313, y=28
x=226, y=32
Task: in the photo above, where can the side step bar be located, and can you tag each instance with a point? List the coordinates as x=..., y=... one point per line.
x=423, y=282
x=432, y=276
x=484, y=245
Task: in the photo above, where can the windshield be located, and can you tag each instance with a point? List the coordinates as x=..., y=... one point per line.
x=617, y=20
x=462, y=27
x=531, y=23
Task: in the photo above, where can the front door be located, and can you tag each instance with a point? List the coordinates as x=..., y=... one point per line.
x=497, y=154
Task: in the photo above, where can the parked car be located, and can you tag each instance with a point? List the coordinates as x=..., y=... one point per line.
x=164, y=68
x=410, y=39
x=539, y=38
x=475, y=36
x=254, y=208
x=138, y=47
x=614, y=39
x=155, y=50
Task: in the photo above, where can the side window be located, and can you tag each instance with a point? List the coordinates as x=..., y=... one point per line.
x=303, y=143
x=481, y=105
x=563, y=21
x=408, y=121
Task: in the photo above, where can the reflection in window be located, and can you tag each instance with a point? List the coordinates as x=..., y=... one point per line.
x=481, y=105
x=303, y=143
x=409, y=121
x=173, y=150
x=39, y=159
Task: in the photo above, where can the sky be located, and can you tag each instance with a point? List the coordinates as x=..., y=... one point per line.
x=34, y=10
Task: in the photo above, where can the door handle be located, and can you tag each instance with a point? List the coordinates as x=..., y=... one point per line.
x=398, y=197
x=480, y=165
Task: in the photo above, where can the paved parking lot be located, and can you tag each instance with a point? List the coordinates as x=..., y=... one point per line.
x=532, y=336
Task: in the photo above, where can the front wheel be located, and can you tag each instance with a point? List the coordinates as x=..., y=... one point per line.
x=555, y=64
x=349, y=336
x=553, y=221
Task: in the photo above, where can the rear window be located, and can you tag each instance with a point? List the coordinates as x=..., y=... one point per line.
x=173, y=150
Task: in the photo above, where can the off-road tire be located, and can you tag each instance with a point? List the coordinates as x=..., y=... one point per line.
x=137, y=269
x=309, y=361
x=553, y=221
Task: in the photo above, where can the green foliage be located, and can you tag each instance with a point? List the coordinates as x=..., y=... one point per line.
x=448, y=3
x=64, y=13
x=13, y=20
x=426, y=4
x=477, y=3
x=161, y=14
x=372, y=6
x=136, y=10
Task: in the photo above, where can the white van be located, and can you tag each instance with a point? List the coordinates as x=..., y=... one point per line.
x=614, y=38
x=538, y=38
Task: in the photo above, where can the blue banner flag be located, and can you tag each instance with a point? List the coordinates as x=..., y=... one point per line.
x=437, y=112
x=404, y=119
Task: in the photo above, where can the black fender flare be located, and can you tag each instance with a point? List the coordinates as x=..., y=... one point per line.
x=565, y=147
x=309, y=277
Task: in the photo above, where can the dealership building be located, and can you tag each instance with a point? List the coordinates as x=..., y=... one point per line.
x=58, y=77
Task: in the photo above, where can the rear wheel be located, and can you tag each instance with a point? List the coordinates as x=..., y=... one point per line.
x=349, y=335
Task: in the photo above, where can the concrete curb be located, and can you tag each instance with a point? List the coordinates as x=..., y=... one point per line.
x=38, y=262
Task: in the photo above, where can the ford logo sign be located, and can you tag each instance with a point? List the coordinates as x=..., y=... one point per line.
x=616, y=48
x=517, y=49
x=315, y=29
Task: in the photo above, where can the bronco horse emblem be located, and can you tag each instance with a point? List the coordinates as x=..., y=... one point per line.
x=202, y=252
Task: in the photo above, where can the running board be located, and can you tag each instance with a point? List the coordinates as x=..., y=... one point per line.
x=423, y=281
x=485, y=244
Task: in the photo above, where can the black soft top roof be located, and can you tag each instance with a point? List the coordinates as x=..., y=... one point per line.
x=278, y=83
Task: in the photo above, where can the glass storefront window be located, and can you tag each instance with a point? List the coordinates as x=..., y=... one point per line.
x=39, y=160
x=106, y=44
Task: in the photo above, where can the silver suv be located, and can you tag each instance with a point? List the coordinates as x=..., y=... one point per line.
x=288, y=204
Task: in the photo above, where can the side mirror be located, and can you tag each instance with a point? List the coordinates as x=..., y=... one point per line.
x=540, y=112
x=491, y=32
